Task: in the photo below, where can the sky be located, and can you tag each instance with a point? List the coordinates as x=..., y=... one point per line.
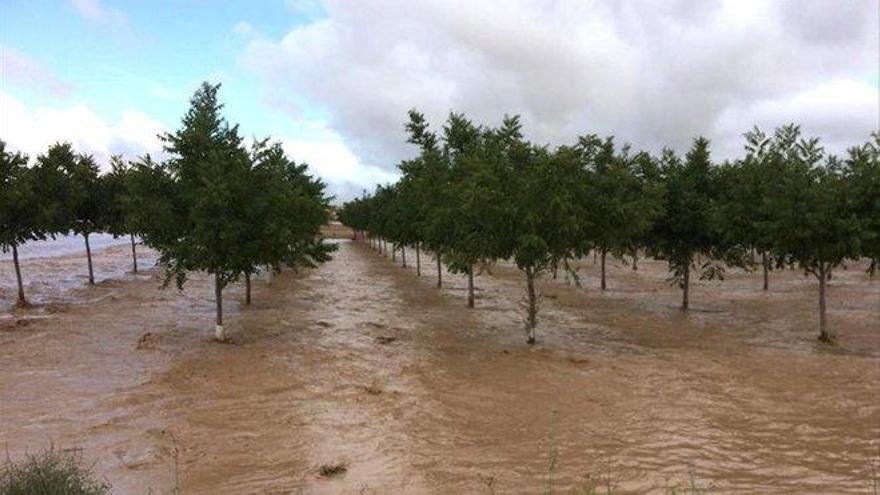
x=333, y=80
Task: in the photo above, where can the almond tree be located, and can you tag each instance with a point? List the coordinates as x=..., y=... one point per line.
x=544, y=190
x=477, y=203
x=20, y=210
x=430, y=175
x=87, y=201
x=862, y=172
x=685, y=229
x=816, y=223
x=117, y=216
x=212, y=170
x=285, y=209
x=620, y=207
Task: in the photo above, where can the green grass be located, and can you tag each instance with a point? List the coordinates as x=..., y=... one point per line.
x=50, y=472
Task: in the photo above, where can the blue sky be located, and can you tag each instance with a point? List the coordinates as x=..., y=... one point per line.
x=333, y=79
x=148, y=57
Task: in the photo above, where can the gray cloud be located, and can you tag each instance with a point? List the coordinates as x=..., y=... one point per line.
x=652, y=73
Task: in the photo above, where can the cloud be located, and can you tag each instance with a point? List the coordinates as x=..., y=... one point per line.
x=94, y=11
x=243, y=29
x=17, y=69
x=33, y=130
x=329, y=158
x=652, y=73
x=842, y=111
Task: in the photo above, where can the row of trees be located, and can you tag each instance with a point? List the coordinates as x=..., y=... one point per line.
x=477, y=194
x=215, y=205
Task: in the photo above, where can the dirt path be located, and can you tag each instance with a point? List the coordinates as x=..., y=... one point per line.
x=363, y=364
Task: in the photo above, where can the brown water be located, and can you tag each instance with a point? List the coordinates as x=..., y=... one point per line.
x=621, y=385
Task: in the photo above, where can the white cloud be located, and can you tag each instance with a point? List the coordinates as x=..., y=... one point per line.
x=842, y=111
x=33, y=130
x=332, y=160
x=243, y=29
x=21, y=71
x=94, y=11
x=653, y=73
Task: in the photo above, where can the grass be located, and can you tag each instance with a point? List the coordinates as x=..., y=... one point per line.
x=331, y=470
x=50, y=472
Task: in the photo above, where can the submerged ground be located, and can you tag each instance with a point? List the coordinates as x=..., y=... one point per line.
x=362, y=363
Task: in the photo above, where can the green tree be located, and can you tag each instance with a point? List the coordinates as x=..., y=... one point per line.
x=862, y=173
x=212, y=171
x=117, y=216
x=71, y=195
x=20, y=211
x=87, y=201
x=154, y=207
x=621, y=207
x=545, y=189
x=433, y=194
x=685, y=231
x=478, y=203
x=816, y=223
x=285, y=209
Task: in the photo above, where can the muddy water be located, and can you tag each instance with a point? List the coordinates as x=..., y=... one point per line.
x=362, y=363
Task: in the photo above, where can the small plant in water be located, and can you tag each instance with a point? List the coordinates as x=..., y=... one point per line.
x=553, y=454
x=691, y=487
x=331, y=470
x=50, y=472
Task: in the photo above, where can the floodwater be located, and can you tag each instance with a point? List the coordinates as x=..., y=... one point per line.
x=362, y=363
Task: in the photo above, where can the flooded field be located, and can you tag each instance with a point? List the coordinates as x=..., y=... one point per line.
x=361, y=363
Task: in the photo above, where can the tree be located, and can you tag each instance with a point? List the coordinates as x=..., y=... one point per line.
x=430, y=176
x=212, y=171
x=285, y=209
x=816, y=224
x=621, y=207
x=862, y=174
x=87, y=201
x=477, y=202
x=20, y=215
x=118, y=217
x=746, y=189
x=154, y=206
x=544, y=190
x=684, y=230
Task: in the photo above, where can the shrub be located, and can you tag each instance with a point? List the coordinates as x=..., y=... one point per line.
x=50, y=472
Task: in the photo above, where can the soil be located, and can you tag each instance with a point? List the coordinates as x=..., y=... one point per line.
x=361, y=364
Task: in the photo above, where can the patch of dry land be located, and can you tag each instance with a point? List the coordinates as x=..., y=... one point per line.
x=360, y=377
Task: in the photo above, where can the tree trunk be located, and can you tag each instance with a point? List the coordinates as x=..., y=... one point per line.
x=765, y=261
x=89, y=256
x=636, y=260
x=825, y=335
x=686, y=286
x=219, y=334
x=471, y=286
x=247, y=288
x=403, y=255
x=418, y=260
x=393, y=252
x=21, y=300
x=555, y=269
x=439, y=271
x=134, y=255
x=872, y=270
x=603, y=255
x=532, y=317
x=595, y=254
